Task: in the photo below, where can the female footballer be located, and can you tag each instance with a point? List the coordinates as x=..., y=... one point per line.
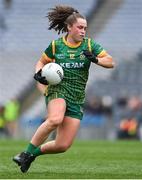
x=74, y=52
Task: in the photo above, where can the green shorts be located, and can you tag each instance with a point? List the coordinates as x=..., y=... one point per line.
x=72, y=110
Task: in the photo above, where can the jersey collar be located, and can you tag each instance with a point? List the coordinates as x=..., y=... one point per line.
x=69, y=44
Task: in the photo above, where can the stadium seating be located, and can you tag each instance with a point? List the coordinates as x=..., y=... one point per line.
x=125, y=80
x=120, y=35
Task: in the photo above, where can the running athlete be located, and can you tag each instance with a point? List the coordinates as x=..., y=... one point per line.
x=74, y=52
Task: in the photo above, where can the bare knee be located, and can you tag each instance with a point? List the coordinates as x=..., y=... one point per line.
x=53, y=122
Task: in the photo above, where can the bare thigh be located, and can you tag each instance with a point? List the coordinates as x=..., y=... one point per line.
x=56, y=107
x=67, y=131
x=56, y=110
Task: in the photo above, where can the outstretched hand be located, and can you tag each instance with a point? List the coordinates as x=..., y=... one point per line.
x=90, y=56
x=38, y=77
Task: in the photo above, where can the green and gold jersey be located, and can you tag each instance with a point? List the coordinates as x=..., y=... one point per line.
x=75, y=66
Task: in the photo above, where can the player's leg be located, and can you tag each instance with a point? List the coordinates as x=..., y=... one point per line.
x=66, y=133
x=67, y=130
x=56, y=110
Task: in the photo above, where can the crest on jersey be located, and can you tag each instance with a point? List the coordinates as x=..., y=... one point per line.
x=82, y=56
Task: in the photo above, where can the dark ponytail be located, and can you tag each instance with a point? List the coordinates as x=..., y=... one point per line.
x=60, y=16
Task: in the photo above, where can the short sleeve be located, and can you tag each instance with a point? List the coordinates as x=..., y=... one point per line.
x=97, y=49
x=49, y=52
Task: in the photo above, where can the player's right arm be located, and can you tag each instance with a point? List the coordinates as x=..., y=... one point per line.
x=42, y=61
x=46, y=57
x=38, y=74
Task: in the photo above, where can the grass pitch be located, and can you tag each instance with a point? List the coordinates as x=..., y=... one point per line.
x=85, y=160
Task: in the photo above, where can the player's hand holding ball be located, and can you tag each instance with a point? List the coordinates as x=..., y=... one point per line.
x=41, y=79
x=51, y=73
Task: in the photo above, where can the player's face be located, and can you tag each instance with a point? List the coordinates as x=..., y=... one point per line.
x=78, y=30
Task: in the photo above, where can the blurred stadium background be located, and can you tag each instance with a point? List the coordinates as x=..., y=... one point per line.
x=112, y=95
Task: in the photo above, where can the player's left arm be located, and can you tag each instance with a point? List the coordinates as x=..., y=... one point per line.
x=105, y=60
x=97, y=54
